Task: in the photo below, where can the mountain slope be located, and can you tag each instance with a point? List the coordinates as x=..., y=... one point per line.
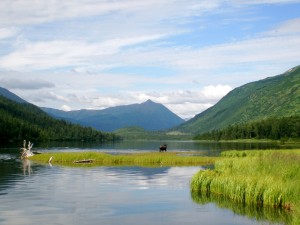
x=20, y=121
x=277, y=96
x=7, y=94
x=148, y=115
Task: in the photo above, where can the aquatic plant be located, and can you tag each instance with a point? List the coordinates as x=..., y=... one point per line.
x=265, y=178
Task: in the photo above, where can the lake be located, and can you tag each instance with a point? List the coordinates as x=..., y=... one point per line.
x=31, y=193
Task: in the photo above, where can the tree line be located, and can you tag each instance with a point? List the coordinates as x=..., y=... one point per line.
x=271, y=128
x=26, y=121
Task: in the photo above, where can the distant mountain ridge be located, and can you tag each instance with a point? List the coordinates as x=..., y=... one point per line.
x=7, y=94
x=148, y=115
x=277, y=96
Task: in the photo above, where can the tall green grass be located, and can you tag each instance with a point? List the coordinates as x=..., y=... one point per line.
x=266, y=178
x=140, y=159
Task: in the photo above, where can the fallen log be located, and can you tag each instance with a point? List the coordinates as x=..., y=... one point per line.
x=84, y=161
x=35, y=152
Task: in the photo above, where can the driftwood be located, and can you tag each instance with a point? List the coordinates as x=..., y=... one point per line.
x=50, y=159
x=26, y=152
x=84, y=161
x=36, y=153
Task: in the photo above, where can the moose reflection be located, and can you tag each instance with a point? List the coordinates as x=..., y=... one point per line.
x=163, y=148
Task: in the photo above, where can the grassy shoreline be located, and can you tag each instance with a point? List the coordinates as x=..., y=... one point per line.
x=282, y=143
x=266, y=178
x=134, y=159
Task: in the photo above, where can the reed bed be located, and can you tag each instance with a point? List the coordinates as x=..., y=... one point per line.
x=138, y=159
x=235, y=153
x=266, y=178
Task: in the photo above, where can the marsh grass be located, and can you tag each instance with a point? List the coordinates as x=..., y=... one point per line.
x=264, y=178
x=135, y=159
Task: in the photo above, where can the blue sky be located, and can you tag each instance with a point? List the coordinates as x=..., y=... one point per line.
x=184, y=54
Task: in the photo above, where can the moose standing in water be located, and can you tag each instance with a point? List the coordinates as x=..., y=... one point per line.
x=163, y=148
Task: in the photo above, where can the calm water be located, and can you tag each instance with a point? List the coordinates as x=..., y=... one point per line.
x=205, y=148
x=31, y=193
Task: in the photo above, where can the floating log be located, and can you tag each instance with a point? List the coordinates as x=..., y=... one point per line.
x=35, y=152
x=84, y=161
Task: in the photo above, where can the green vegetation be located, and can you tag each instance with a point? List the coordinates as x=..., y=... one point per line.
x=263, y=178
x=137, y=159
x=286, y=128
x=134, y=133
x=138, y=133
x=20, y=121
x=277, y=96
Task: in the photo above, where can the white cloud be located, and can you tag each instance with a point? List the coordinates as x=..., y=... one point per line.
x=24, y=12
x=26, y=84
x=206, y=94
x=187, y=103
x=265, y=49
x=43, y=11
x=54, y=54
x=187, y=110
x=104, y=101
x=65, y=108
x=108, y=51
x=7, y=32
x=42, y=97
x=254, y=2
x=31, y=12
x=290, y=27
x=216, y=92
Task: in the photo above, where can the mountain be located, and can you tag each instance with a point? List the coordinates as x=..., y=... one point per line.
x=148, y=115
x=19, y=121
x=277, y=96
x=7, y=94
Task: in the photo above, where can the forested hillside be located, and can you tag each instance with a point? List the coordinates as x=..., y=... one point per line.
x=277, y=96
x=20, y=121
x=272, y=128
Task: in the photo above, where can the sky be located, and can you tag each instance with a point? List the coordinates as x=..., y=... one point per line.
x=187, y=55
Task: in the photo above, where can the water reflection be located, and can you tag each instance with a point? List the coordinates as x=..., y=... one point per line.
x=202, y=147
x=8, y=170
x=145, y=178
x=26, y=167
x=252, y=211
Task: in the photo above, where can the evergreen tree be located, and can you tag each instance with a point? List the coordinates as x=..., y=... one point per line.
x=20, y=121
x=271, y=128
